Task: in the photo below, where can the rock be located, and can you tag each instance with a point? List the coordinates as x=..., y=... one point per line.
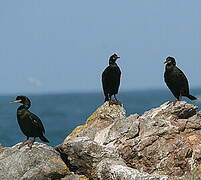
x=39, y=163
x=102, y=118
x=75, y=177
x=84, y=155
x=163, y=143
x=112, y=169
x=121, y=127
x=2, y=148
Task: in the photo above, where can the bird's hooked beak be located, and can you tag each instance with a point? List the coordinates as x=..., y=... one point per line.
x=16, y=101
x=117, y=57
x=167, y=61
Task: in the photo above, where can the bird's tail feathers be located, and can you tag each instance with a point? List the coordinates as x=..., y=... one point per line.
x=191, y=97
x=43, y=138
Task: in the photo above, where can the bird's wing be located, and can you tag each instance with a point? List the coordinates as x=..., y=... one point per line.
x=172, y=81
x=111, y=79
x=183, y=81
x=105, y=80
x=36, y=121
x=117, y=79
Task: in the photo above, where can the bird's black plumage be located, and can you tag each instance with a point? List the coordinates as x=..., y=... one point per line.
x=176, y=80
x=29, y=123
x=111, y=78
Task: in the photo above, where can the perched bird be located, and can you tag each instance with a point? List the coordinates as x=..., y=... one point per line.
x=29, y=123
x=176, y=80
x=111, y=79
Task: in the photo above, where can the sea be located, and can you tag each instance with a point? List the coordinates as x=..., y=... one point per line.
x=62, y=112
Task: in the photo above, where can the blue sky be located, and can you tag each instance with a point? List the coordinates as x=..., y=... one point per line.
x=62, y=46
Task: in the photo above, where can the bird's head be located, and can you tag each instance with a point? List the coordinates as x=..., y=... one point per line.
x=113, y=58
x=170, y=61
x=22, y=99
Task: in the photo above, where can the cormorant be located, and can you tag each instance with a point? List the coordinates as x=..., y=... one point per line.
x=29, y=123
x=111, y=79
x=176, y=80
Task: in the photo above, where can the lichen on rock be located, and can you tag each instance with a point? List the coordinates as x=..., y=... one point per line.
x=100, y=119
x=164, y=143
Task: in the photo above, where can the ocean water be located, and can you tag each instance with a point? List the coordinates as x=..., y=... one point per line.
x=61, y=113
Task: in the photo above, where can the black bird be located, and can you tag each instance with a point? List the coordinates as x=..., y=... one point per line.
x=111, y=79
x=29, y=123
x=176, y=80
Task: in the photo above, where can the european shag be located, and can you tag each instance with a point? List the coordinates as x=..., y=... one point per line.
x=29, y=123
x=111, y=79
x=176, y=80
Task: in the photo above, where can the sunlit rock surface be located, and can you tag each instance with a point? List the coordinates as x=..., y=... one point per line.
x=163, y=143
x=39, y=163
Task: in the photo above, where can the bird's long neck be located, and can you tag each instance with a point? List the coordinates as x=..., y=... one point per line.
x=25, y=106
x=169, y=67
x=21, y=111
x=112, y=64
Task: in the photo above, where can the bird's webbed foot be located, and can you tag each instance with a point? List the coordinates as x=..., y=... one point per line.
x=173, y=102
x=114, y=102
x=27, y=142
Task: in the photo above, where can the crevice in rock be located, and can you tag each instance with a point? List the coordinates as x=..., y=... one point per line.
x=189, y=153
x=65, y=159
x=138, y=131
x=187, y=114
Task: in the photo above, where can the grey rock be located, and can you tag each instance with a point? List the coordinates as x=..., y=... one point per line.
x=75, y=177
x=84, y=155
x=166, y=143
x=113, y=170
x=121, y=127
x=163, y=143
x=101, y=119
x=39, y=163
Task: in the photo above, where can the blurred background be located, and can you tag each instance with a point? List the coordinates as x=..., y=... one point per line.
x=55, y=51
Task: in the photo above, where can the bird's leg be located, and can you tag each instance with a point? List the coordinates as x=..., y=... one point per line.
x=115, y=97
x=109, y=97
x=178, y=98
x=31, y=143
x=27, y=141
x=173, y=102
x=24, y=143
x=117, y=102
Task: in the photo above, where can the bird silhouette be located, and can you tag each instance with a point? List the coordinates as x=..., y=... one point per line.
x=111, y=79
x=29, y=123
x=176, y=80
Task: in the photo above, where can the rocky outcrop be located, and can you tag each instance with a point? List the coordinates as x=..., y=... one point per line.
x=167, y=140
x=163, y=143
x=41, y=162
x=111, y=169
x=101, y=119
